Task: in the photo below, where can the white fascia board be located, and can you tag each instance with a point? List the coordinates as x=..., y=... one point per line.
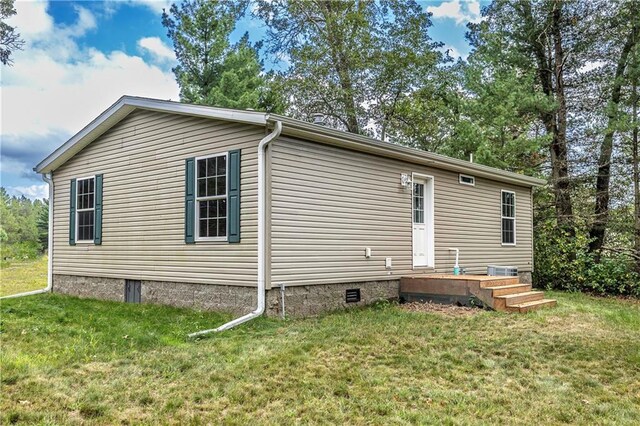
x=314, y=132
x=238, y=116
x=123, y=107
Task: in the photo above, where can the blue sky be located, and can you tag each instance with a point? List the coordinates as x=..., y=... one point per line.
x=80, y=57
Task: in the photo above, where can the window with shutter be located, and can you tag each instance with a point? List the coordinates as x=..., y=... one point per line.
x=85, y=210
x=212, y=198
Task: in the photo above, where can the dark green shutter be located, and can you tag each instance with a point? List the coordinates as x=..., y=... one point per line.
x=72, y=214
x=189, y=200
x=97, y=229
x=233, y=197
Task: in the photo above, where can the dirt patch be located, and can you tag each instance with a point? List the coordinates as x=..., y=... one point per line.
x=450, y=310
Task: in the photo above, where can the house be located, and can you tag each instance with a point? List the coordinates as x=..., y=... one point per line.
x=164, y=202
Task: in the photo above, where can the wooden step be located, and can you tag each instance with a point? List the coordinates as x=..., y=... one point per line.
x=498, y=281
x=532, y=306
x=527, y=296
x=504, y=290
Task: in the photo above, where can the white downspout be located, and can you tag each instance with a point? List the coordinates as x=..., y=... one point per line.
x=262, y=209
x=47, y=178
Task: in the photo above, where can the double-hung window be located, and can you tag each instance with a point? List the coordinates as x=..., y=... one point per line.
x=508, y=218
x=85, y=209
x=211, y=198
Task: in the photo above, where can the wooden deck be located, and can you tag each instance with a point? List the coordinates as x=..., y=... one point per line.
x=499, y=293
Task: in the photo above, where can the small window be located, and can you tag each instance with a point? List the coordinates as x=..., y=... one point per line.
x=211, y=197
x=85, y=209
x=418, y=203
x=467, y=180
x=508, y=218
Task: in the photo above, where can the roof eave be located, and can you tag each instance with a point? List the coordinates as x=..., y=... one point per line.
x=123, y=107
x=361, y=143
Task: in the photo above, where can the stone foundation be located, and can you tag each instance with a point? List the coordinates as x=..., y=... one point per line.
x=300, y=301
x=310, y=300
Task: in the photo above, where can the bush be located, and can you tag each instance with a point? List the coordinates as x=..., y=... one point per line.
x=20, y=251
x=565, y=263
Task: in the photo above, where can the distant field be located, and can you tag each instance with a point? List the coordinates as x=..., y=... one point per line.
x=71, y=361
x=19, y=276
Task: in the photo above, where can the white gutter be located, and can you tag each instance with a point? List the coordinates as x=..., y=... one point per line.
x=47, y=178
x=262, y=234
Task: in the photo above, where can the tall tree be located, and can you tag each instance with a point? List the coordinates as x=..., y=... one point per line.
x=42, y=223
x=537, y=49
x=9, y=38
x=630, y=23
x=543, y=36
x=353, y=61
x=210, y=70
x=636, y=168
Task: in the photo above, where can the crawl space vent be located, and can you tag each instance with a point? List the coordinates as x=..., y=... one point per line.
x=132, y=291
x=352, y=295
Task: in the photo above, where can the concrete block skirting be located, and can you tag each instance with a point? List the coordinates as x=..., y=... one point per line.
x=300, y=301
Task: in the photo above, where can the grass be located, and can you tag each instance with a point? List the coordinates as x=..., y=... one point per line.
x=71, y=361
x=23, y=275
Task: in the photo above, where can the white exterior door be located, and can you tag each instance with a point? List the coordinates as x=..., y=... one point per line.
x=420, y=229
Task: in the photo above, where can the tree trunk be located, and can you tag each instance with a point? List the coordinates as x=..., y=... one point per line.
x=636, y=167
x=559, y=151
x=601, y=210
x=341, y=64
x=555, y=122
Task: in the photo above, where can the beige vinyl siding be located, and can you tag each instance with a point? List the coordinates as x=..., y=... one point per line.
x=329, y=203
x=143, y=162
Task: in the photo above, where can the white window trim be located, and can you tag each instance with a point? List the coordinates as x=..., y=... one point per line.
x=196, y=225
x=429, y=217
x=507, y=217
x=460, y=176
x=78, y=211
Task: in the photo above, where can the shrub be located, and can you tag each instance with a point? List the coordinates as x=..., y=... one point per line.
x=20, y=251
x=565, y=263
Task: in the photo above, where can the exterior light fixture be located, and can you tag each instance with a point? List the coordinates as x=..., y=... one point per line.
x=405, y=180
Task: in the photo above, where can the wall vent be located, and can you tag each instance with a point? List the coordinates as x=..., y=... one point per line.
x=467, y=180
x=502, y=271
x=352, y=295
x=132, y=291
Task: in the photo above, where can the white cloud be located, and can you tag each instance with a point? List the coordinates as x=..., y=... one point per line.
x=154, y=5
x=57, y=87
x=33, y=191
x=157, y=48
x=459, y=10
x=31, y=19
x=453, y=52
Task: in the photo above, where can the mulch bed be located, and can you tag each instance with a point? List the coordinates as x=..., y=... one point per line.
x=450, y=310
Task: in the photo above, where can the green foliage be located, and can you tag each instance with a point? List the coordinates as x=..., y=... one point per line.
x=21, y=250
x=42, y=223
x=210, y=70
x=353, y=61
x=564, y=262
x=9, y=38
x=19, y=229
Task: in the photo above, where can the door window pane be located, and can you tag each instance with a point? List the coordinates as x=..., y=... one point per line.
x=418, y=203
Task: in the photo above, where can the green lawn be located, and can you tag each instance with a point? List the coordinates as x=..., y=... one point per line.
x=66, y=360
x=24, y=275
